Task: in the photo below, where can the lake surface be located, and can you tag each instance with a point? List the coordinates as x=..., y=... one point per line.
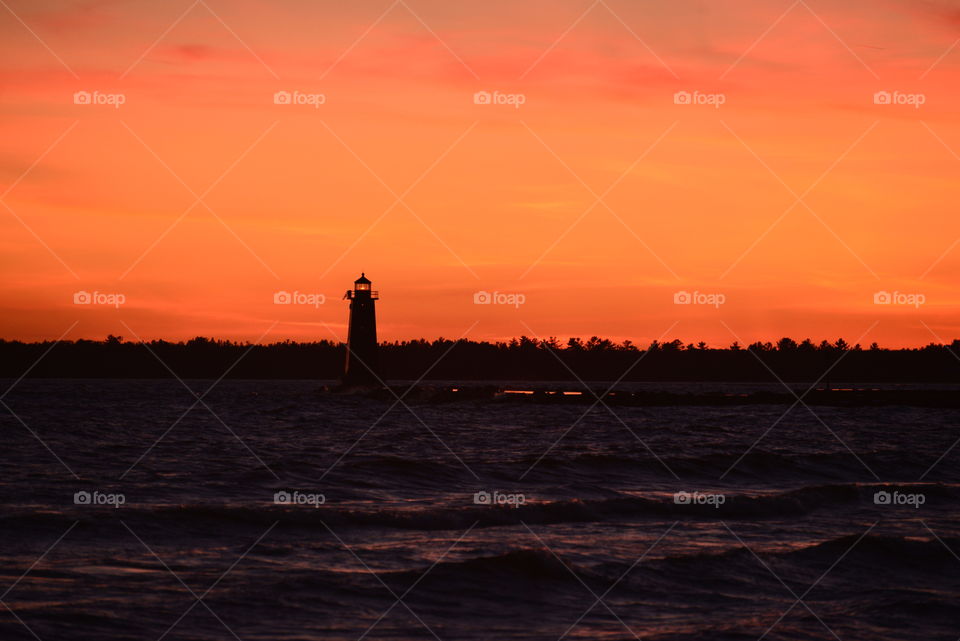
x=272, y=511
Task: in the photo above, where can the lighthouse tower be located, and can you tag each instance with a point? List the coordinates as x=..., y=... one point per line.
x=361, y=365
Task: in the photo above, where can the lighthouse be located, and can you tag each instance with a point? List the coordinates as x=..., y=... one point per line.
x=360, y=368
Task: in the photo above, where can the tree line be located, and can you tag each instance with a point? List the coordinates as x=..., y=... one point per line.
x=523, y=358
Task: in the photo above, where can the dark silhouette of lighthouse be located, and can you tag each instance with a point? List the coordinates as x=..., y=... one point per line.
x=360, y=368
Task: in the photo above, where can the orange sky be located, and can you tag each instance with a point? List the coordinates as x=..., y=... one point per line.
x=493, y=197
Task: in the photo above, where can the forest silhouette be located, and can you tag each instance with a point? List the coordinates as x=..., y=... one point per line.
x=523, y=358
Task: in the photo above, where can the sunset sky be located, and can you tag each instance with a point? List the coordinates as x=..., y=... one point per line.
x=598, y=199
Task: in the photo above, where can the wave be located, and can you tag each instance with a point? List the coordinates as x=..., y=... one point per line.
x=761, y=464
x=452, y=516
x=538, y=564
x=870, y=550
x=411, y=469
x=721, y=577
x=880, y=551
x=873, y=553
x=616, y=469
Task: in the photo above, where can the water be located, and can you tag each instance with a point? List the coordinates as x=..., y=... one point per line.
x=588, y=543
